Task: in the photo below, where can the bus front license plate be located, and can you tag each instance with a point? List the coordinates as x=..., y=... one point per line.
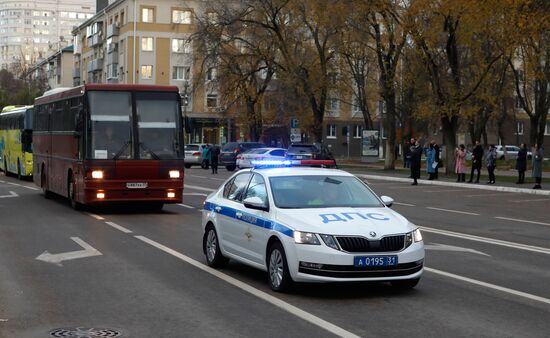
x=136, y=185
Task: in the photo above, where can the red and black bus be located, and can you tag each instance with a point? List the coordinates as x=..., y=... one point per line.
x=98, y=143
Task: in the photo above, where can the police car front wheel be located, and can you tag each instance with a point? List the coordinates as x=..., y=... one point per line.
x=277, y=268
x=214, y=257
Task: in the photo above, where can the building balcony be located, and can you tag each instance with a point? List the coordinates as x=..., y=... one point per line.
x=112, y=47
x=95, y=65
x=112, y=30
x=76, y=73
x=112, y=58
x=94, y=40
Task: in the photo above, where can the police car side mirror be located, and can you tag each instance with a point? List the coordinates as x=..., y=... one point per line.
x=388, y=201
x=255, y=203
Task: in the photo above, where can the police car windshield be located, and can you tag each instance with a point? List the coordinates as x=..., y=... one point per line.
x=317, y=191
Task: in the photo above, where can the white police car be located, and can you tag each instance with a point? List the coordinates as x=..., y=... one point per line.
x=310, y=225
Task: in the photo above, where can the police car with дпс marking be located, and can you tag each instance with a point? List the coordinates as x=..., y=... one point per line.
x=310, y=225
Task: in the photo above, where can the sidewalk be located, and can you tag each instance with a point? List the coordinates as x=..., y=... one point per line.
x=505, y=179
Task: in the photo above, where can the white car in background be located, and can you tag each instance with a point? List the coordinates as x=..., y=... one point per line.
x=193, y=154
x=244, y=160
x=310, y=225
x=511, y=152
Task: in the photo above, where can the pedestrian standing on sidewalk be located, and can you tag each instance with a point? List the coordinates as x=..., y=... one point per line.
x=416, y=161
x=437, y=159
x=538, y=155
x=460, y=163
x=491, y=163
x=521, y=163
x=477, y=158
x=429, y=151
x=214, y=157
x=206, y=155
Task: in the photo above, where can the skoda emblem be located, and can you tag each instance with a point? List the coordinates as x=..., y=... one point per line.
x=372, y=234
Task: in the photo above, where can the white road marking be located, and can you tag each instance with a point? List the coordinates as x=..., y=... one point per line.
x=490, y=286
x=56, y=259
x=253, y=291
x=12, y=194
x=403, y=187
x=483, y=195
x=526, y=201
x=454, y=211
x=521, y=220
x=186, y=206
x=20, y=185
x=404, y=204
x=196, y=187
x=444, y=247
x=99, y=218
x=119, y=227
x=197, y=176
x=217, y=179
x=442, y=190
x=194, y=194
x=514, y=245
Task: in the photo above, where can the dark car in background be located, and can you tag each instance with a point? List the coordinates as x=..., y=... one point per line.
x=309, y=151
x=230, y=150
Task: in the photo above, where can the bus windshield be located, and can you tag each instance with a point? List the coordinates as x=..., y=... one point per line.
x=158, y=116
x=110, y=128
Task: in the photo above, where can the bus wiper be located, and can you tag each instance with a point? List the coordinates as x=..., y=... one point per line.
x=122, y=149
x=155, y=156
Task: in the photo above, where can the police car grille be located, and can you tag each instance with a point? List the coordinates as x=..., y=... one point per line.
x=361, y=244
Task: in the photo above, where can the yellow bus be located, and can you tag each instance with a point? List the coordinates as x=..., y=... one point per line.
x=16, y=140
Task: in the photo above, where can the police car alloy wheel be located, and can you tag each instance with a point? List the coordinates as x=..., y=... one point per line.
x=279, y=277
x=214, y=257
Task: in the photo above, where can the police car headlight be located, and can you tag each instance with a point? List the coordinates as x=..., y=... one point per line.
x=330, y=241
x=306, y=238
x=416, y=235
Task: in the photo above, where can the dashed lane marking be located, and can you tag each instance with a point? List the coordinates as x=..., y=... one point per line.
x=521, y=220
x=454, y=211
x=119, y=227
x=253, y=291
x=492, y=241
x=404, y=204
x=490, y=286
x=443, y=190
x=484, y=195
x=99, y=218
x=186, y=206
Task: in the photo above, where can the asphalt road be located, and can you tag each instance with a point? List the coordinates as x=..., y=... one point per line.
x=487, y=272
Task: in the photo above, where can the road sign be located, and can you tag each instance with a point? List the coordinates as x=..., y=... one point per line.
x=295, y=135
x=294, y=123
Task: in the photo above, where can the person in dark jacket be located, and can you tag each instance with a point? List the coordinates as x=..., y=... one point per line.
x=214, y=156
x=416, y=161
x=477, y=158
x=538, y=155
x=491, y=163
x=521, y=163
x=437, y=159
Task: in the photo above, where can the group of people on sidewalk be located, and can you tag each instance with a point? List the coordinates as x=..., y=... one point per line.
x=432, y=151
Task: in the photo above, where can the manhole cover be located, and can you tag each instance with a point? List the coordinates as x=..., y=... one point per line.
x=84, y=332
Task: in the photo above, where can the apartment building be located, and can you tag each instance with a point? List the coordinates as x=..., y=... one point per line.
x=56, y=70
x=30, y=30
x=146, y=42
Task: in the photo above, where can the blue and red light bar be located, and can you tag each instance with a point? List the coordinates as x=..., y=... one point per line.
x=292, y=163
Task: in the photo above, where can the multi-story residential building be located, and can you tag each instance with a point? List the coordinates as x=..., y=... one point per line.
x=56, y=70
x=147, y=42
x=32, y=29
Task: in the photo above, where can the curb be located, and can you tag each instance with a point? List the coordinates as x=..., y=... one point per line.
x=458, y=185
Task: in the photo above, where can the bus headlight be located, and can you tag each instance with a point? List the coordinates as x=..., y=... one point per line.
x=174, y=173
x=97, y=174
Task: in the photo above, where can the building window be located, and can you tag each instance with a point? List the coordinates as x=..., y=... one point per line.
x=180, y=73
x=112, y=71
x=147, y=72
x=181, y=16
x=519, y=128
x=181, y=46
x=212, y=100
x=147, y=44
x=211, y=74
x=518, y=103
x=331, y=131
x=147, y=15
x=357, y=131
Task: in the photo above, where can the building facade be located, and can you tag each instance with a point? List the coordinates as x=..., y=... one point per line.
x=30, y=30
x=56, y=70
